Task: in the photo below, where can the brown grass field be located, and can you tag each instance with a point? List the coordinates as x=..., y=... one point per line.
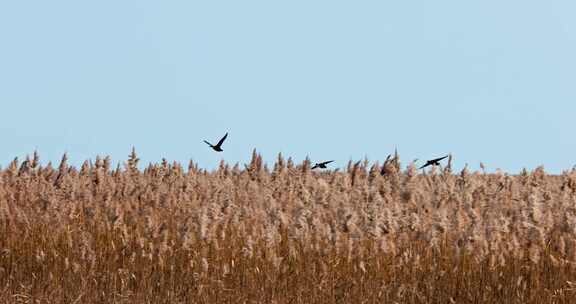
x=284, y=234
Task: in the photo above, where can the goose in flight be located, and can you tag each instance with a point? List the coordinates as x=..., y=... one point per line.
x=321, y=165
x=218, y=146
x=433, y=162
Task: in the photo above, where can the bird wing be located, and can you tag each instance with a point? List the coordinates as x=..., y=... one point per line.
x=314, y=167
x=208, y=143
x=327, y=162
x=439, y=159
x=222, y=140
x=425, y=165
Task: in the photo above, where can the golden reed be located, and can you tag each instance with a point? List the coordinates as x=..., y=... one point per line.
x=367, y=234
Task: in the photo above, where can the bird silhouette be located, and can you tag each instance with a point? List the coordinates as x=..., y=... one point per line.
x=321, y=165
x=218, y=146
x=433, y=162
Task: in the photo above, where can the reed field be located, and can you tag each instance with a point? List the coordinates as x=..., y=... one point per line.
x=368, y=233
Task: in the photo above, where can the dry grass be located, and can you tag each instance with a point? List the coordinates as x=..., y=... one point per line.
x=286, y=235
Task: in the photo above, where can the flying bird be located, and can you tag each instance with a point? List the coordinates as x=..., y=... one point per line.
x=321, y=165
x=218, y=146
x=433, y=162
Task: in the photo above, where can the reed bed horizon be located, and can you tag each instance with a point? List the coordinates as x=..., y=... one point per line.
x=368, y=233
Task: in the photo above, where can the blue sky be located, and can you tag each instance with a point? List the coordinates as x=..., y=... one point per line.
x=491, y=81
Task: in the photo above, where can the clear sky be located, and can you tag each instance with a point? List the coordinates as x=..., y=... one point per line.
x=491, y=81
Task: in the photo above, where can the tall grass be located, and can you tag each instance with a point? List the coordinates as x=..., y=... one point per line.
x=368, y=234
